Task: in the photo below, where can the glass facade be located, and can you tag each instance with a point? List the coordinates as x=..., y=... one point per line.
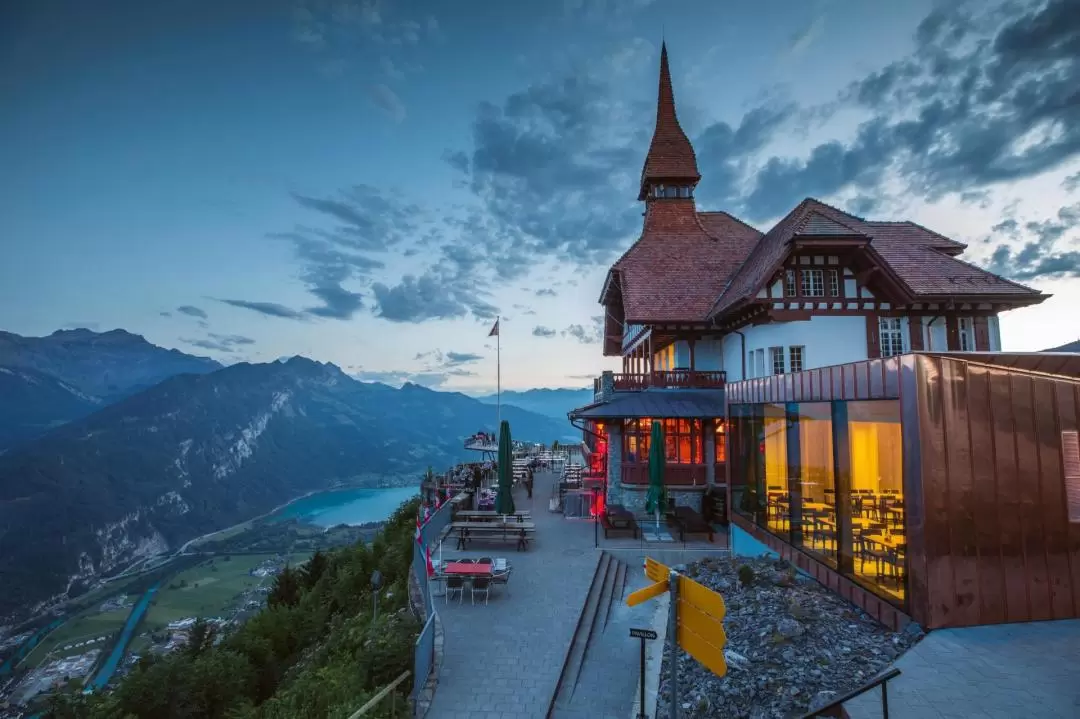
x=827, y=477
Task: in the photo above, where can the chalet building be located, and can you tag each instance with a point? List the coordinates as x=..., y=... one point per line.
x=703, y=303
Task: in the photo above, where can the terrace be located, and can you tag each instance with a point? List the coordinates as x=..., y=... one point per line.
x=660, y=379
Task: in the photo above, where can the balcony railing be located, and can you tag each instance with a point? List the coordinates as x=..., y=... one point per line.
x=665, y=379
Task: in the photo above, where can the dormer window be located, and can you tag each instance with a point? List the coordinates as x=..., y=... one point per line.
x=672, y=192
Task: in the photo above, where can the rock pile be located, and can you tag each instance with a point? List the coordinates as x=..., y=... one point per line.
x=792, y=645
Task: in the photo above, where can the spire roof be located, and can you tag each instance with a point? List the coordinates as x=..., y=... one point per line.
x=671, y=156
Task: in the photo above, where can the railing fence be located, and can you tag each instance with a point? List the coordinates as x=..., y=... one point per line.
x=430, y=536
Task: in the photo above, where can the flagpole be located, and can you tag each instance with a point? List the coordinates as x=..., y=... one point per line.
x=498, y=376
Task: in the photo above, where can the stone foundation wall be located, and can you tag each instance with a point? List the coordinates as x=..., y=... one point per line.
x=634, y=498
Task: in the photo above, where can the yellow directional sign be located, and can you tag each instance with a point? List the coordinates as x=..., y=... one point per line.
x=701, y=625
x=702, y=597
x=656, y=571
x=644, y=595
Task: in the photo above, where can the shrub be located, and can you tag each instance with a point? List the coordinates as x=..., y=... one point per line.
x=746, y=575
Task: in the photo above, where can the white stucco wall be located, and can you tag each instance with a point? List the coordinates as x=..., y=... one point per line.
x=827, y=341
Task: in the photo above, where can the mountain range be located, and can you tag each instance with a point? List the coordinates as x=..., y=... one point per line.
x=555, y=403
x=136, y=471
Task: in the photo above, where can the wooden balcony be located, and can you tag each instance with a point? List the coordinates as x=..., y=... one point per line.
x=666, y=379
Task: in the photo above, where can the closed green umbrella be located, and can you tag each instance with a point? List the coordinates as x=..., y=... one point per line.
x=657, y=496
x=504, y=500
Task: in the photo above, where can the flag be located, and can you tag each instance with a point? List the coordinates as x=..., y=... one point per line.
x=430, y=566
x=494, y=330
x=427, y=513
x=418, y=525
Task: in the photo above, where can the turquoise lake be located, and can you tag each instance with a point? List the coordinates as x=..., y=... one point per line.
x=347, y=506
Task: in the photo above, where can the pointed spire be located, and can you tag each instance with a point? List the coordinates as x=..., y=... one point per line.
x=671, y=156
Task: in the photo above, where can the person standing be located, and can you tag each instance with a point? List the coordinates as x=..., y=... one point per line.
x=529, y=481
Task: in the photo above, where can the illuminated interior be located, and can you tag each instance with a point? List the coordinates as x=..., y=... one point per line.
x=854, y=523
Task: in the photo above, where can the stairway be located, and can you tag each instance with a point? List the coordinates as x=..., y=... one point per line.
x=608, y=588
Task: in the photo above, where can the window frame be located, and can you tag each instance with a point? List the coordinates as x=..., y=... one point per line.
x=834, y=283
x=777, y=353
x=895, y=335
x=808, y=285
x=965, y=330
x=791, y=287
x=793, y=352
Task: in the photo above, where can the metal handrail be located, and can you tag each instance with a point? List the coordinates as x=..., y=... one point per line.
x=374, y=701
x=837, y=704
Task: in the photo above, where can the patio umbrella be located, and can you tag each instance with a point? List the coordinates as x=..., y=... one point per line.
x=656, y=499
x=504, y=500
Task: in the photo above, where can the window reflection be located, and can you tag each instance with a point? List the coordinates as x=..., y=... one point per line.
x=774, y=448
x=683, y=440
x=817, y=480
x=877, y=495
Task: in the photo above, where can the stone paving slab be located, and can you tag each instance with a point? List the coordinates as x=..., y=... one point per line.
x=504, y=659
x=1004, y=671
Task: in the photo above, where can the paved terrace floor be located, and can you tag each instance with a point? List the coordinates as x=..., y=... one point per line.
x=1004, y=671
x=504, y=659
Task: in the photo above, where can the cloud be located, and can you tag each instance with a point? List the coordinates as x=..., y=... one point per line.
x=545, y=292
x=541, y=331
x=220, y=343
x=803, y=39
x=270, y=309
x=592, y=334
x=165, y=314
x=459, y=358
x=1071, y=183
x=554, y=169
x=191, y=311
x=989, y=95
x=435, y=370
x=388, y=101
x=1047, y=251
x=438, y=293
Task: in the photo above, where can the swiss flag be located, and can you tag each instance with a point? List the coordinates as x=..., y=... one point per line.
x=418, y=525
x=430, y=566
x=494, y=329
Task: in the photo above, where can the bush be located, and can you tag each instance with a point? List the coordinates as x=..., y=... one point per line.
x=746, y=575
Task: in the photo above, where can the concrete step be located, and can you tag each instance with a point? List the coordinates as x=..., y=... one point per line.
x=575, y=655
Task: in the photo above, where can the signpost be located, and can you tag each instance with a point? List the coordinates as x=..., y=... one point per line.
x=695, y=623
x=643, y=635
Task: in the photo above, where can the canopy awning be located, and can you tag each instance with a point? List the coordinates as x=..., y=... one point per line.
x=660, y=403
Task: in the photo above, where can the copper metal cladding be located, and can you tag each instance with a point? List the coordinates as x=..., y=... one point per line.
x=989, y=537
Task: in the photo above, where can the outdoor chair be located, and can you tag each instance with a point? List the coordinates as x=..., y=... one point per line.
x=455, y=584
x=502, y=576
x=481, y=585
x=500, y=564
x=485, y=560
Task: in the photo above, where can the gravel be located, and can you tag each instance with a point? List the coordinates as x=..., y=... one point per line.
x=792, y=645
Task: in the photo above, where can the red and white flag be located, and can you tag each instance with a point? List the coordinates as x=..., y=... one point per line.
x=494, y=329
x=418, y=525
x=427, y=513
x=430, y=566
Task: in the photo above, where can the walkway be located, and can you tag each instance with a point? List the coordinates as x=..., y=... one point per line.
x=995, y=672
x=504, y=659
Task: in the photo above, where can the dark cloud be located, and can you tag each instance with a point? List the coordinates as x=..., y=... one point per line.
x=1071, y=183
x=545, y=292
x=541, y=331
x=191, y=311
x=592, y=334
x=165, y=314
x=436, y=294
x=1046, y=250
x=553, y=171
x=270, y=309
x=220, y=343
x=459, y=358
x=990, y=94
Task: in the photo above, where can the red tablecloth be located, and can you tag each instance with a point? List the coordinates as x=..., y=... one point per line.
x=467, y=568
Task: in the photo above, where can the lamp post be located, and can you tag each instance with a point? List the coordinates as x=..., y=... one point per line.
x=376, y=585
x=596, y=517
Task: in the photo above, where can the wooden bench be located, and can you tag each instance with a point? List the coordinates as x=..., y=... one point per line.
x=618, y=525
x=495, y=535
x=688, y=521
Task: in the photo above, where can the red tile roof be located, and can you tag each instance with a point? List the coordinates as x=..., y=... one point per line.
x=671, y=156
x=921, y=259
x=678, y=267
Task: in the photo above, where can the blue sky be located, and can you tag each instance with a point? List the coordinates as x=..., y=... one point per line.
x=370, y=183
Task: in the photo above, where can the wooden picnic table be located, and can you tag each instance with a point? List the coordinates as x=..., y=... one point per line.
x=487, y=515
x=520, y=532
